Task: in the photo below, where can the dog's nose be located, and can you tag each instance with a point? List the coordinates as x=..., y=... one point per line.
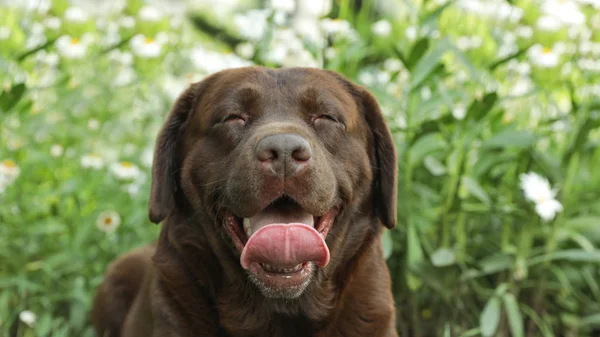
x=284, y=153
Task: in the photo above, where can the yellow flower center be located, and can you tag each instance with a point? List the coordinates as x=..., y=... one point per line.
x=547, y=50
x=107, y=221
x=9, y=164
x=149, y=40
x=126, y=164
x=75, y=41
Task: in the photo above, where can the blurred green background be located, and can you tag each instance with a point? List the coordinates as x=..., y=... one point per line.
x=494, y=106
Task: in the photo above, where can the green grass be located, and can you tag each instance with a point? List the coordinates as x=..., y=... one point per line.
x=470, y=255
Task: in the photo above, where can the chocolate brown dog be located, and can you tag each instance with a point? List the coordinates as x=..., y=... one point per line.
x=273, y=187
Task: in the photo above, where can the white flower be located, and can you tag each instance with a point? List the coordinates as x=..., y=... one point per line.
x=566, y=11
x=9, y=171
x=245, y=50
x=314, y=8
x=71, y=48
x=93, y=124
x=150, y=13
x=525, y=32
x=366, y=78
x=127, y=22
x=543, y=56
x=253, y=24
x=145, y=47
x=56, y=150
x=536, y=188
x=548, y=23
x=27, y=317
x=76, y=14
x=547, y=209
x=125, y=76
x=382, y=28
x=336, y=26
x=308, y=28
x=330, y=53
x=459, y=111
x=123, y=57
x=212, y=61
x=92, y=161
x=125, y=170
x=108, y=221
x=286, y=6
x=522, y=86
x=593, y=3
x=5, y=33
x=52, y=23
x=411, y=33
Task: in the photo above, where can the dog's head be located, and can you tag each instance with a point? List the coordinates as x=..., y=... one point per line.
x=279, y=159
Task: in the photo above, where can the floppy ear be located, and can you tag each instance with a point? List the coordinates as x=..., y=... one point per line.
x=167, y=158
x=385, y=184
x=384, y=160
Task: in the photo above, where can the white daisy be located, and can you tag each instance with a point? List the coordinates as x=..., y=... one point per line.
x=145, y=47
x=568, y=12
x=543, y=56
x=548, y=209
x=150, y=13
x=92, y=161
x=548, y=23
x=108, y=221
x=28, y=317
x=125, y=170
x=9, y=170
x=245, y=50
x=459, y=111
x=71, y=48
x=127, y=22
x=147, y=156
x=537, y=189
x=56, y=150
x=314, y=8
x=382, y=28
x=76, y=14
x=125, y=76
x=93, y=124
x=52, y=23
x=286, y=6
x=253, y=24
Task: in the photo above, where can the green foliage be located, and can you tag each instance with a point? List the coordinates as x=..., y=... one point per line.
x=476, y=93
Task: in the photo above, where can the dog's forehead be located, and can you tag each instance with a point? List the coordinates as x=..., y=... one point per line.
x=277, y=88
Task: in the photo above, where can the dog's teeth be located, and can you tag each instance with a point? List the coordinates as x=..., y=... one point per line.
x=247, y=227
x=272, y=269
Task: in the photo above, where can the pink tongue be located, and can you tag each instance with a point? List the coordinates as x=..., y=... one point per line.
x=285, y=246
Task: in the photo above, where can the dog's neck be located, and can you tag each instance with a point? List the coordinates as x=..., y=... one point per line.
x=188, y=250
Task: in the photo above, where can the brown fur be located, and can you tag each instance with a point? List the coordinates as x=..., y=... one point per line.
x=191, y=283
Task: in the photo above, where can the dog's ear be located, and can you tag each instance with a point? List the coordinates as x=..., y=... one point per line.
x=384, y=158
x=167, y=156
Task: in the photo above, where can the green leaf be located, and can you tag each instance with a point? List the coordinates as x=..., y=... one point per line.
x=417, y=52
x=425, y=145
x=591, y=320
x=9, y=98
x=414, y=257
x=475, y=189
x=443, y=257
x=434, y=166
x=490, y=317
x=428, y=63
x=517, y=139
x=575, y=255
x=515, y=320
x=479, y=108
x=387, y=244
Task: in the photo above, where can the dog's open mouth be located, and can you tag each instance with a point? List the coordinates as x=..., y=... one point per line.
x=280, y=244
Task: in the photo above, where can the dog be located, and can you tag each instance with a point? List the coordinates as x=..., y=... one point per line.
x=273, y=187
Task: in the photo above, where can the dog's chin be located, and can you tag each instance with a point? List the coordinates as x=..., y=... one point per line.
x=281, y=285
x=282, y=246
